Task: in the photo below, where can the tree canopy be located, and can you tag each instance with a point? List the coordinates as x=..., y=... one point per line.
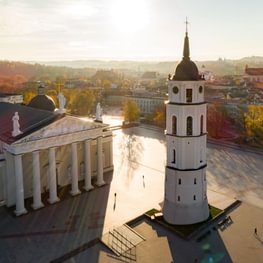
x=131, y=111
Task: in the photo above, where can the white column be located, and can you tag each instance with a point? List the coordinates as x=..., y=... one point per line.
x=111, y=154
x=53, y=198
x=36, y=182
x=88, y=186
x=20, y=204
x=100, y=180
x=74, y=170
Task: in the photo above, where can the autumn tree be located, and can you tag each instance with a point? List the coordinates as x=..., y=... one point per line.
x=160, y=115
x=28, y=95
x=83, y=103
x=131, y=111
x=216, y=120
x=253, y=122
x=106, y=84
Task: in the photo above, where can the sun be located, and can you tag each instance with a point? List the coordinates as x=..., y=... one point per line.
x=129, y=15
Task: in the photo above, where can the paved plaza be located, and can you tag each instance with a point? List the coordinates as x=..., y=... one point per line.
x=69, y=230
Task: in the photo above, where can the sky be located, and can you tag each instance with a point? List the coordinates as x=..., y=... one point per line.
x=50, y=30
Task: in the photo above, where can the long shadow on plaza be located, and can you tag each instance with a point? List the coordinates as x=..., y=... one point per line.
x=57, y=232
x=130, y=149
x=203, y=248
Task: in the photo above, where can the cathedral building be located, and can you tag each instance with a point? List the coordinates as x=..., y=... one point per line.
x=185, y=179
x=43, y=149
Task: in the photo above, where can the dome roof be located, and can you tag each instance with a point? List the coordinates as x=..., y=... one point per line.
x=186, y=69
x=42, y=102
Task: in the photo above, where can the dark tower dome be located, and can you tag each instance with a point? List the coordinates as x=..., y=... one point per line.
x=186, y=69
x=42, y=101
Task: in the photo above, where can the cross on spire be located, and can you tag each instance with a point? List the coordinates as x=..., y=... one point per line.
x=59, y=86
x=186, y=42
x=186, y=25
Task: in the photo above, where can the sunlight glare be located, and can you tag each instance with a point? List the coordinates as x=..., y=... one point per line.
x=129, y=15
x=79, y=10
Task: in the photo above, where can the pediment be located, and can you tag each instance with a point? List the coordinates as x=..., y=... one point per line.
x=66, y=125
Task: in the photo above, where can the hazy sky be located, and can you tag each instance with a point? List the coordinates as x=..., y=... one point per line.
x=129, y=29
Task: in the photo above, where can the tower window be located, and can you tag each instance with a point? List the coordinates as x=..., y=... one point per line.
x=174, y=156
x=179, y=181
x=189, y=95
x=195, y=181
x=201, y=124
x=174, y=125
x=178, y=198
x=200, y=89
x=189, y=126
x=194, y=197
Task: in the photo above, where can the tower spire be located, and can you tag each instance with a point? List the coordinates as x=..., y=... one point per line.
x=186, y=25
x=186, y=52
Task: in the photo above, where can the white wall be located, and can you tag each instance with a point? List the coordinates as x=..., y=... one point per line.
x=190, y=152
x=182, y=112
x=180, y=97
x=63, y=162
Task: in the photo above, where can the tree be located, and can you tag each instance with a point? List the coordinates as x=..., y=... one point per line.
x=106, y=84
x=160, y=115
x=131, y=111
x=28, y=95
x=253, y=120
x=83, y=103
x=216, y=120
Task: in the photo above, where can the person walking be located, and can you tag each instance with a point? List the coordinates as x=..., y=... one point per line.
x=114, y=205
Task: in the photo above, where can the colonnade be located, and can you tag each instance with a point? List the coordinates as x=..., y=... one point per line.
x=52, y=178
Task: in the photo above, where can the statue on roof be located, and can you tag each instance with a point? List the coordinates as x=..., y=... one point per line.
x=16, y=126
x=98, y=113
x=62, y=102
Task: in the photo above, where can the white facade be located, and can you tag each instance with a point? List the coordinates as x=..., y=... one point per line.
x=11, y=98
x=185, y=182
x=147, y=104
x=62, y=153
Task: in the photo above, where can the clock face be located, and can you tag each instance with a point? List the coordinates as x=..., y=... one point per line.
x=200, y=89
x=175, y=90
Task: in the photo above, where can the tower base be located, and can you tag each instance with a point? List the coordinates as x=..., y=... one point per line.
x=178, y=214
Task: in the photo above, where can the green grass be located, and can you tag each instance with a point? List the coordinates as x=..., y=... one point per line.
x=152, y=212
x=214, y=211
x=185, y=230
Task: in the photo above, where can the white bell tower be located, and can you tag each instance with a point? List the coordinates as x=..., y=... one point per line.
x=185, y=199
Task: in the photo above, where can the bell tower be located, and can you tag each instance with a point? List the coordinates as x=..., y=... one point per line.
x=185, y=199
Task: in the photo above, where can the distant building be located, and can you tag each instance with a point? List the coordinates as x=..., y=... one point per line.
x=207, y=75
x=148, y=77
x=76, y=83
x=42, y=150
x=253, y=74
x=11, y=98
x=147, y=104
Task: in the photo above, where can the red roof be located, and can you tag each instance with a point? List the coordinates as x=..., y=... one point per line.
x=254, y=71
x=30, y=120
